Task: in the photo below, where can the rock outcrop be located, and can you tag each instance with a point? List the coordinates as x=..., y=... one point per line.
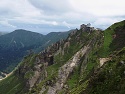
x=87, y=28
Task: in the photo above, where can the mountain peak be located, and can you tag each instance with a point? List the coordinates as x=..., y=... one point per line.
x=23, y=31
x=15, y=45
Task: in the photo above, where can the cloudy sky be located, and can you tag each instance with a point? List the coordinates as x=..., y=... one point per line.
x=59, y=15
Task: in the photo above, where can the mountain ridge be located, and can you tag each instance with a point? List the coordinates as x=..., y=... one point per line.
x=73, y=65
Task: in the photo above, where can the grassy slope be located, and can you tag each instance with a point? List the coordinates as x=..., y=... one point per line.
x=15, y=84
x=110, y=78
x=112, y=83
x=85, y=73
x=11, y=85
x=77, y=81
x=108, y=38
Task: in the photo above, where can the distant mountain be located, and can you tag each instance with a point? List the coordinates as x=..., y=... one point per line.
x=52, y=37
x=14, y=45
x=20, y=39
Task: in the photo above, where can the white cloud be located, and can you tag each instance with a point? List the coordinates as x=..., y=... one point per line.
x=51, y=6
x=19, y=8
x=54, y=23
x=6, y=24
x=58, y=14
x=99, y=7
x=105, y=21
x=33, y=21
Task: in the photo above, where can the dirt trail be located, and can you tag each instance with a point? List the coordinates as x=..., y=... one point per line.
x=6, y=75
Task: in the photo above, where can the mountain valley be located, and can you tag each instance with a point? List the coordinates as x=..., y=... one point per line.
x=15, y=45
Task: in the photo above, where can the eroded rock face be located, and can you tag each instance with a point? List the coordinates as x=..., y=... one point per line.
x=34, y=79
x=35, y=73
x=66, y=69
x=74, y=32
x=34, y=70
x=39, y=74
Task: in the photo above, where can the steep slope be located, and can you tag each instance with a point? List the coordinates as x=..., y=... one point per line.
x=14, y=45
x=110, y=76
x=113, y=38
x=52, y=69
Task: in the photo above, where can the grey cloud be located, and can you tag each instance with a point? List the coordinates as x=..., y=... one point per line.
x=52, y=6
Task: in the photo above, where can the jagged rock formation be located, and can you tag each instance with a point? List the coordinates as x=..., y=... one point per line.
x=35, y=70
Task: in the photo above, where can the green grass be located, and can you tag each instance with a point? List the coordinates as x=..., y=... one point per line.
x=118, y=24
x=79, y=89
x=29, y=60
x=11, y=85
x=110, y=78
x=73, y=79
x=105, y=50
x=15, y=84
x=28, y=74
x=108, y=38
